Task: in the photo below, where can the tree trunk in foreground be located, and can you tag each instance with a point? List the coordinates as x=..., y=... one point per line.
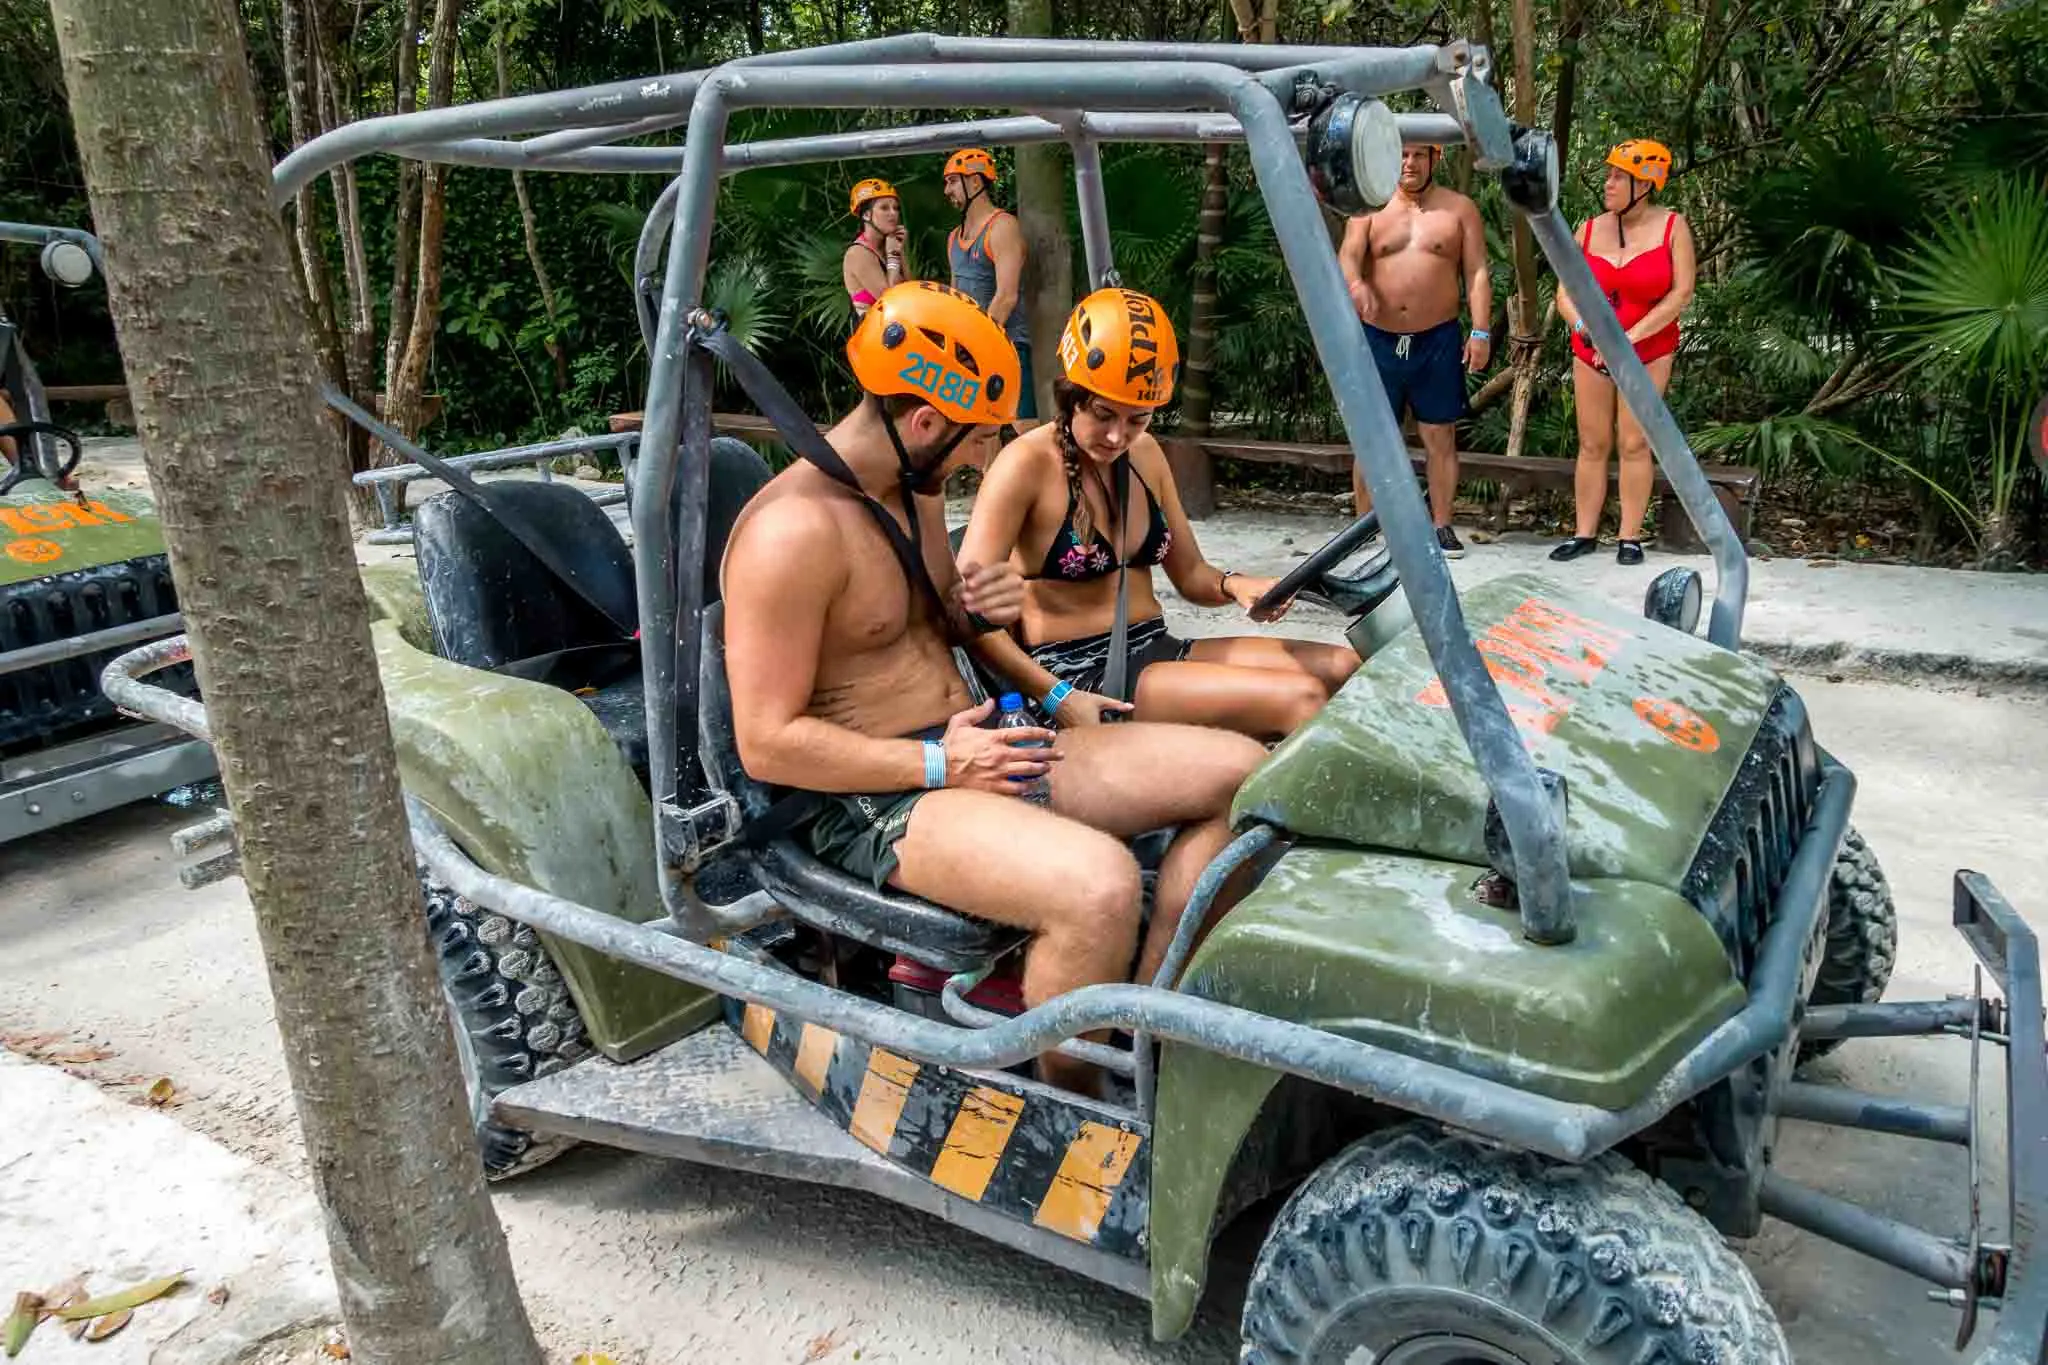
x=223, y=373
x=1526, y=344
x=1046, y=293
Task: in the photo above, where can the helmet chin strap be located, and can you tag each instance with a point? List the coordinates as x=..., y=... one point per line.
x=912, y=479
x=980, y=190
x=1637, y=192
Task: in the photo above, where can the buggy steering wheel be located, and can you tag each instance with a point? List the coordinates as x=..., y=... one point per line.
x=26, y=464
x=1312, y=569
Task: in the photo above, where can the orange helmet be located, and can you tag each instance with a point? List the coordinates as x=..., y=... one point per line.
x=1643, y=159
x=1118, y=344
x=971, y=161
x=931, y=341
x=867, y=191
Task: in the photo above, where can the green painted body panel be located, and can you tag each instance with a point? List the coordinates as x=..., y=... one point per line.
x=530, y=785
x=1395, y=951
x=46, y=531
x=1384, y=766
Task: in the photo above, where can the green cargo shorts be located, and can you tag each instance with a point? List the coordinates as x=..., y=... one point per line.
x=857, y=833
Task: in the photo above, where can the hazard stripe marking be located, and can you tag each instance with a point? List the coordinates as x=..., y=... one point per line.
x=882, y=1094
x=757, y=1026
x=975, y=1143
x=1088, y=1177
x=814, y=1055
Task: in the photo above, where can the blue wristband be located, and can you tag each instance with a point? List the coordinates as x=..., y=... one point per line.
x=1053, y=698
x=1481, y=334
x=934, y=764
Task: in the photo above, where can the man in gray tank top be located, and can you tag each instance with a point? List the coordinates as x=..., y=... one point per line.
x=987, y=256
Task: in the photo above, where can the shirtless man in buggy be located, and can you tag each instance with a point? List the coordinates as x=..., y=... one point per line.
x=844, y=680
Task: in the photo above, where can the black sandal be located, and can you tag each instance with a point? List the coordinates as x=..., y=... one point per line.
x=1629, y=552
x=1575, y=546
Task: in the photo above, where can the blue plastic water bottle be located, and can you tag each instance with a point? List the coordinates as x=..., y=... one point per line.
x=1037, y=790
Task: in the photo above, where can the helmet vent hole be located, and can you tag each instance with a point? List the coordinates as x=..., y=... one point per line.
x=966, y=360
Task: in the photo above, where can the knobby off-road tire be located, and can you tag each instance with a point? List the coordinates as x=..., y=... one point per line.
x=1863, y=937
x=1414, y=1247
x=512, y=1015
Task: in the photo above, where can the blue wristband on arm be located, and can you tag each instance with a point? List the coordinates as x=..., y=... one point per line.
x=1053, y=698
x=1481, y=334
x=934, y=764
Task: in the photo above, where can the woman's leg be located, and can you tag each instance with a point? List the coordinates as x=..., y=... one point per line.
x=1329, y=665
x=1593, y=397
x=1265, y=703
x=1638, y=470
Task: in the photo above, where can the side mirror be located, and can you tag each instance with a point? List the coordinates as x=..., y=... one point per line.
x=66, y=262
x=1674, y=599
x=1354, y=153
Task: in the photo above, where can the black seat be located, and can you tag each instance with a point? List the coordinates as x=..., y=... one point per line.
x=491, y=603
x=816, y=892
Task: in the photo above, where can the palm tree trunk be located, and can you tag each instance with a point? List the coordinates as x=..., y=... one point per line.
x=1526, y=343
x=1046, y=291
x=1196, y=412
x=213, y=338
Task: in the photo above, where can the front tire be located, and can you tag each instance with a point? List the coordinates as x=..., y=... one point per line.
x=1415, y=1247
x=1863, y=937
x=513, y=1019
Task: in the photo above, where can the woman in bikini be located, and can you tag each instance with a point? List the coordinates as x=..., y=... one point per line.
x=1049, y=502
x=1642, y=257
x=874, y=258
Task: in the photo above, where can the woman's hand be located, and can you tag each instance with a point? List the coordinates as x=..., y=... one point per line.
x=1246, y=591
x=1088, y=708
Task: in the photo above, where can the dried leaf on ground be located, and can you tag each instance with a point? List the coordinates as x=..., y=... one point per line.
x=132, y=1297
x=110, y=1324
x=821, y=1346
x=336, y=1345
x=162, y=1092
x=60, y=1296
x=217, y=1295
x=593, y=1358
x=28, y=1311
x=79, y=1055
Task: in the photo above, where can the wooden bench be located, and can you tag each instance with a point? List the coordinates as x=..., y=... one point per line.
x=114, y=396
x=1193, y=463
x=1192, y=460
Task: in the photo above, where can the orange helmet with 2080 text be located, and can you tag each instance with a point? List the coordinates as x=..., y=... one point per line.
x=933, y=342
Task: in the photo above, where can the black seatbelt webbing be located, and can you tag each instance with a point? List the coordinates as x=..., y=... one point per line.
x=515, y=522
x=805, y=439
x=1113, y=673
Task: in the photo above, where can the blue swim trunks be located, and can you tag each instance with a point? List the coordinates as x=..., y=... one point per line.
x=1424, y=370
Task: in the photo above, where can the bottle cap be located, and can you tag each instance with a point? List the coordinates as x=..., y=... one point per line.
x=1011, y=701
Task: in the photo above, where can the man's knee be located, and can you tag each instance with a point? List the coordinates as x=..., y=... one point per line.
x=1099, y=905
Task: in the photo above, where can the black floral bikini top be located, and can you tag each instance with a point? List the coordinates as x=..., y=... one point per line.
x=1070, y=561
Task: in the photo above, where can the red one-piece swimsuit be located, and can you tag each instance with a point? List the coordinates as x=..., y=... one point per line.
x=1633, y=288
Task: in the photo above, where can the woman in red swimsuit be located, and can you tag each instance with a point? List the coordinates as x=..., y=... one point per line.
x=1642, y=257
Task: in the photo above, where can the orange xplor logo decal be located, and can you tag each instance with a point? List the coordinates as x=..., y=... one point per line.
x=1682, y=725
x=34, y=551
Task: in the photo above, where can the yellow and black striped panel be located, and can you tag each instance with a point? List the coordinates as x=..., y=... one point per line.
x=1063, y=1166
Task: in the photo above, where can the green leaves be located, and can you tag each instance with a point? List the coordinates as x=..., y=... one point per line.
x=1973, y=293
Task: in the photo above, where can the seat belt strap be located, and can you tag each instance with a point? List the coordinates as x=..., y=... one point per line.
x=530, y=537
x=803, y=437
x=1114, y=680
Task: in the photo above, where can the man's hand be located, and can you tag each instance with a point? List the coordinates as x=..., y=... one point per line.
x=994, y=592
x=1478, y=354
x=1088, y=708
x=988, y=760
x=1361, y=298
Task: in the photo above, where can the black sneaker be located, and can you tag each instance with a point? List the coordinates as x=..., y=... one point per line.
x=1574, y=546
x=1447, y=541
x=1629, y=552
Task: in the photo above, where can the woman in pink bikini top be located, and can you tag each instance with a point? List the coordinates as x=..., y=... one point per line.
x=1641, y=254
x=874, y=258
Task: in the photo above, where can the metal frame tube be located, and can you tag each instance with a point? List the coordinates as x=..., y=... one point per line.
x=1896, y=1244
x=1902, y=1019
x=42, y=234
x=76, y=646
x=496, y=459
x=1088, y=194
x=1840, y=1107
x=1646, y=405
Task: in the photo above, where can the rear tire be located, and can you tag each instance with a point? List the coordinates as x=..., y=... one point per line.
x=1863, y=937
x=1415, y=1247
x=513, y=1018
